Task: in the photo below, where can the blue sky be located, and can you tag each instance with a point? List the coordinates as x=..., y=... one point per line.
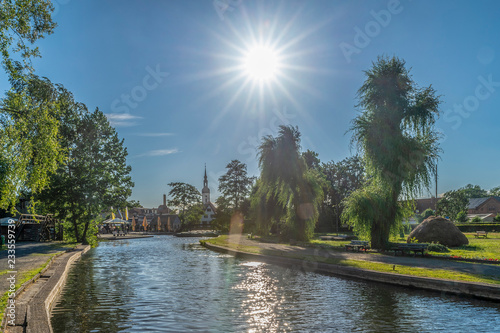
x=168, y=74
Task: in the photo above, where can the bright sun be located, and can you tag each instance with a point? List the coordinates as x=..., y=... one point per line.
x=261, y=63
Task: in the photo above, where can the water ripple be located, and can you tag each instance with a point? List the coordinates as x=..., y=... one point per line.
x=168, y=284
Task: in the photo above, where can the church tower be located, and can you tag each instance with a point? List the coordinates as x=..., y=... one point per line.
x=209, y=209
x=205, y=192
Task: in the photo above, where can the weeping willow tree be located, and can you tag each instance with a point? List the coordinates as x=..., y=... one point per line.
x=396, y=136
x=285, y=180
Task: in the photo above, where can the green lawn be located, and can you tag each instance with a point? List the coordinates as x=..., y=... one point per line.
x=478, y=248
x=379, y=267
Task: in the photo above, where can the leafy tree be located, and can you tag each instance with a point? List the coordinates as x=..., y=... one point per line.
x=183, y=196
x=264, y=208
x=191, y=216
x=95, y=175
x=342, y=178
x=29, y=131
x=395, y=133
x=28, y=127
x=452, y=204
x=495, y=191
x=235, y=185
x=497, y=218
x=22, y=23
x=286, y=178
x=311, y=159
x=474, y=191
x=222, y=218
x=133, y=203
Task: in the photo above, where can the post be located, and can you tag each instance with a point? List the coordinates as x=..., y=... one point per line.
x=435, y=204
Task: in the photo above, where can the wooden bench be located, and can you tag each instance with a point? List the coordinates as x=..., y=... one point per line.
x=357, y=245
x=481, y=234
x=410, y=247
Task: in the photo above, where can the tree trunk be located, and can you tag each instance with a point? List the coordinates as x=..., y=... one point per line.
x=84, y=235
x=75, y=225
x=381, y=228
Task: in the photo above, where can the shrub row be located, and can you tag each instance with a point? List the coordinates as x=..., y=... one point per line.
x=473, y=227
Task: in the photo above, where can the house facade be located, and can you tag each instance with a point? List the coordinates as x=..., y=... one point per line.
x=421, y=205
x=151, y=214
x=489, y=205
x=166, y=223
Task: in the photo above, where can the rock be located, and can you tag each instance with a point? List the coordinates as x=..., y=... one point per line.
x=438, y=230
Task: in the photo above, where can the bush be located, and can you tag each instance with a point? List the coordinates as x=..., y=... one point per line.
x=436, y=247
x=462, y=217
x=428, y=212
x=497, y=218
x=476, y=219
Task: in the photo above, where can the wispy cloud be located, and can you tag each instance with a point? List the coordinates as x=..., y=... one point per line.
x=122, y=119
x=160, y=152
x=155, y=134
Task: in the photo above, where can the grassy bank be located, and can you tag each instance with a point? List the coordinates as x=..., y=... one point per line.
x=21, y=279
x=478, y=248
x=379, y=267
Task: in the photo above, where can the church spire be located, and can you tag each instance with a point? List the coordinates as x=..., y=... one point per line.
x=205, y=180
x=205, y=192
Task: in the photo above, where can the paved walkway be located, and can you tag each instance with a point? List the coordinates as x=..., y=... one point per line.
x=413, y=261
x=28, y=256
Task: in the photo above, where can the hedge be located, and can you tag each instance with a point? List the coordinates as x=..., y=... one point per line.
x=473, y=227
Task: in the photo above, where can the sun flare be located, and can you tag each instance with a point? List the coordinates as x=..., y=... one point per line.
x=261, y=63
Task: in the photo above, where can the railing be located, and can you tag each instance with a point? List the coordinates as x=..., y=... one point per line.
x=201, y=227
x=41, y=228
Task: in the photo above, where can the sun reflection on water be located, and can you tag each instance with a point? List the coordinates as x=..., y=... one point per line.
x=262, y=302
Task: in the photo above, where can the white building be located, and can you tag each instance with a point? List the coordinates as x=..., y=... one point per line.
x=208, y=206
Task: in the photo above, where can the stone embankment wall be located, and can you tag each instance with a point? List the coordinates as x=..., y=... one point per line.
x=34, y=300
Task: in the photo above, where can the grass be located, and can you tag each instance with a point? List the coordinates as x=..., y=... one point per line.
x=379, y=267
x=28, y=275
x=478, y=248
x=24, y=277
x=222, y=241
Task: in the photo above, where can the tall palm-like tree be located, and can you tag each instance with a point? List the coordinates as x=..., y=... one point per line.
x=286, y=179
x=395, y=133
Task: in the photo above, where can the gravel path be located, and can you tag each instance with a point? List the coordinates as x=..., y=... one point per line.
x=414, y=261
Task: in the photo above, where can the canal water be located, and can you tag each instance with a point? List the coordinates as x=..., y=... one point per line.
x=169, y=284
